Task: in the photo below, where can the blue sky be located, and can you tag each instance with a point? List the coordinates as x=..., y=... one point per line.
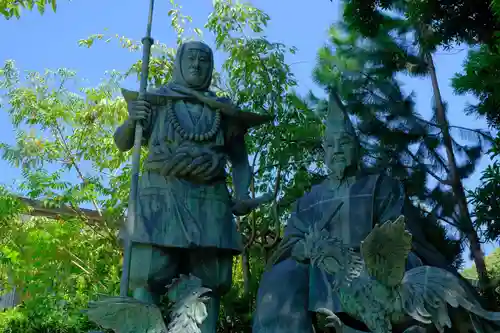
x=38, y=42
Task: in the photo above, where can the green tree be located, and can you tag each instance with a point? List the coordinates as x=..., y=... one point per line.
x=427, y=37
x=363, y=65
x=452, y=21
x=478, y=78
x=394, y=136
x=455, y=22
x=485, y=198
x=65, y=149
x=57, y=267
x=51, y=126
x=13, y=8
x=493, y=263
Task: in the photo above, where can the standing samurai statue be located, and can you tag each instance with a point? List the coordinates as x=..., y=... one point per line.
x=348, y=204
x=185, y=221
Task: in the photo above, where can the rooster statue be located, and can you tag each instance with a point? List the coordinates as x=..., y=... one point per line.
x=185, y=314
x=374, y=288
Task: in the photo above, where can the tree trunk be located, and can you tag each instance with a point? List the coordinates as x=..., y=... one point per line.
x=245, y=268
x=459, y=192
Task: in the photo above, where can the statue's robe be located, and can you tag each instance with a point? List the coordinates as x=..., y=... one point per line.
x=290, y=292
x=185, y=223
x=184, y=226
x=177, y=212
x=184, y=220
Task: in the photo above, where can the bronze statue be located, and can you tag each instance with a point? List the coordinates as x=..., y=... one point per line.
x=185, y=211
x=374, y=287
x=347, y=206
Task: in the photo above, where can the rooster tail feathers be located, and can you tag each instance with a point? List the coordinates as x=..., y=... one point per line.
x=481, y=326
x=426, y=293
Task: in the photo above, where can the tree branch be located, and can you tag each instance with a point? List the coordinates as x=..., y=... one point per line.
x=71, y=159
x=430, y=172
x=41, y=209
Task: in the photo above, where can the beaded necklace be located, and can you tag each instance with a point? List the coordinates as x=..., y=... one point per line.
x=191, y=135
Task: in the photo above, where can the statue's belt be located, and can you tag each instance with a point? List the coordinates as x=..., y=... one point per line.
x=157, y=166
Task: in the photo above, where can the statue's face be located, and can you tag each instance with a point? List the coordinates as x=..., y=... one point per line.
x=340, y=152
x=196, y=66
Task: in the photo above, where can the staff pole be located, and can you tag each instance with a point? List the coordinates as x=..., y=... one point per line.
x=147, y=42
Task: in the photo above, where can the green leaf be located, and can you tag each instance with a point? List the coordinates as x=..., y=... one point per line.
x=41, y=6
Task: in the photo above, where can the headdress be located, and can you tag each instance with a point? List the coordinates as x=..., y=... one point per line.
x=337, y=120
x=178, y=76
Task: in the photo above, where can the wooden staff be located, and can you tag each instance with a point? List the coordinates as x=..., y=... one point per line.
x=147, y=42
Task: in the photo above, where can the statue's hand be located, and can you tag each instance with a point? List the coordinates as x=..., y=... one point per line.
x=193, y=162
x=139, y=110
x=300, y=253
x=245, y=206
x=332, y=320
x=196, y=166
x=178, y=162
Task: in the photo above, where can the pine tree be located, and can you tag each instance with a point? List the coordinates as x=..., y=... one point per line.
x=399, y=44
x=480, y=78
x=453, y=21
x=395, y=136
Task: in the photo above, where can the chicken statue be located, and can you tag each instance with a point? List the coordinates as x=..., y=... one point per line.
x=374, y=288
x=185, y=313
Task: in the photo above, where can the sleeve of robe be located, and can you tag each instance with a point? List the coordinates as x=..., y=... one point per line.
x=148, y=126
x=388, y=199
x=232, y=129
x=295, y=231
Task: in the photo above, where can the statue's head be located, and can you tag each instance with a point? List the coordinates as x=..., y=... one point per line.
x=340, y=142
x=194, y=65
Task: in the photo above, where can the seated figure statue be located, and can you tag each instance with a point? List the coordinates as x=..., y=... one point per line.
x=348, y=204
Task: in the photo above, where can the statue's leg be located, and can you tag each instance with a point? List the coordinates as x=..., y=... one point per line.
x=151, y=270
x=282, y=301
x=215, y=268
